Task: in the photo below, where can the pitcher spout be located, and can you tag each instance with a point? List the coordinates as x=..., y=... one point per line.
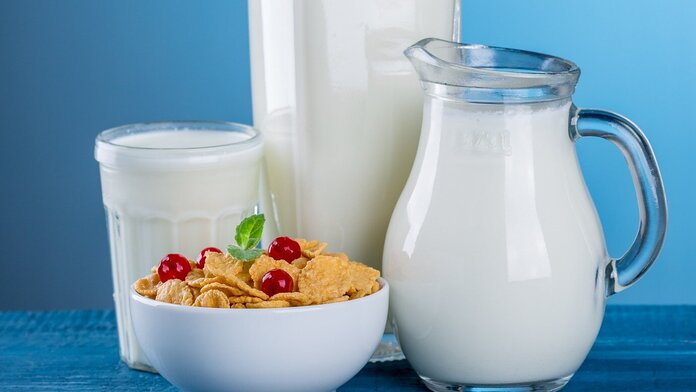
x=488, y=74
x=439, y=61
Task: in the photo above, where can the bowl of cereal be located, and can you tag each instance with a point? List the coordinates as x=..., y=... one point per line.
x=260, y=323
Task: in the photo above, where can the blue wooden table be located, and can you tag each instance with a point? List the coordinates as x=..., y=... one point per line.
x=640, y=348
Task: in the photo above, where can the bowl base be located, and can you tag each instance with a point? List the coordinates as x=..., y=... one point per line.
x=546, y=386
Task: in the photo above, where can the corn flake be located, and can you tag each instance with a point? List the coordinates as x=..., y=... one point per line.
x=339, y=299
x=311, y=249
x=294, y=298
x=300, y=262
x=195, y=274
x=147, y=286
x=225, y=288
x=212, y=299
x=250, y=290
x=225, y=266
x=174, y=291
x=243, y=299
x=362, y=279
x=324, y=278
x=195, y=291
x=200, y=282
x=268, y=304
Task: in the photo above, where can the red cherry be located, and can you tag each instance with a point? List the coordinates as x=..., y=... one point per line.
x=284, y=248
x=276, y=281
x=202, y=257
x=173, y=266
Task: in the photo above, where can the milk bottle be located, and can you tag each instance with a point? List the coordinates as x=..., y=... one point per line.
x=339, y=107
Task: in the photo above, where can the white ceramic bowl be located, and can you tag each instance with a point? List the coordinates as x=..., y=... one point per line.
x=309, y=348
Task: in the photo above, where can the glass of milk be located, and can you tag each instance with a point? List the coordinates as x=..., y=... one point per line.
x=172, y=187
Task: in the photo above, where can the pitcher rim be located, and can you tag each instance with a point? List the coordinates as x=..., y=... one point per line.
x=483, y=73
x=573, y=68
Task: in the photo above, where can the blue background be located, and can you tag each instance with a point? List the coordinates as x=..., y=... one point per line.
x=69, y=69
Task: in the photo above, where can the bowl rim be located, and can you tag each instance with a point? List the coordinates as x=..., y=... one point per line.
x=383, y=290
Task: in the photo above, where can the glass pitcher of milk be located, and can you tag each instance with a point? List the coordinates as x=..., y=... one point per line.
x=495, y=253
x=340, y=110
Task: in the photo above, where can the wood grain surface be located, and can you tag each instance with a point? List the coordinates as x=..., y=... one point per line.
x=640, y=348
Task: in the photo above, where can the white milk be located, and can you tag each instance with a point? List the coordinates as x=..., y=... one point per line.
x=495, y=255
x=340, y=109
x=162, y=198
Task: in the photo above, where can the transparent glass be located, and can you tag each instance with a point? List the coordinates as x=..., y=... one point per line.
x=340, y=110
x=171, y=187
x=339, y=107
x=495, y=254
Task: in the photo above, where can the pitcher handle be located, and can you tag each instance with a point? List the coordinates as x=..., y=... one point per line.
x=647, y=181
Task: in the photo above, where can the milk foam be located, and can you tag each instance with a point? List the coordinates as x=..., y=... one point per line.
x=180, y=139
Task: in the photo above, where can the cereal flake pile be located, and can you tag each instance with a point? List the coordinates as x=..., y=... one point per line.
x=266, y=279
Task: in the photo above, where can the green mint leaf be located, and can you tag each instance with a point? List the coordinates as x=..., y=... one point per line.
x=243, y=254
x=249, y=231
